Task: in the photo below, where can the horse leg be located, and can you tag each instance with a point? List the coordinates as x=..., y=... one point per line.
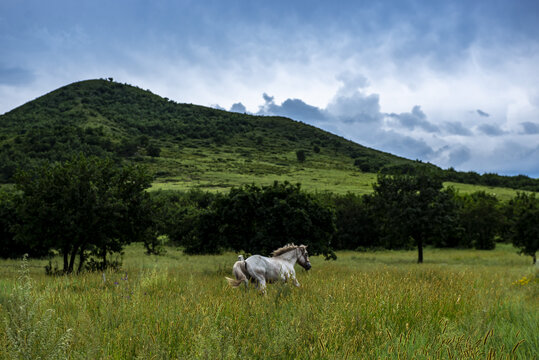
x=260, y=283
x=294, y=280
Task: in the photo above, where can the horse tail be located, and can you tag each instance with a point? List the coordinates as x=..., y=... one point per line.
x=240, y=272
x=232, y=282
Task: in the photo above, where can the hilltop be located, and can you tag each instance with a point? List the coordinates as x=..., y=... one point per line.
x=187, y=145
x=106, y=118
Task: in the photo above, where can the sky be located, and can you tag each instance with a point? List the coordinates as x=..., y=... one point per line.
x=454, y=83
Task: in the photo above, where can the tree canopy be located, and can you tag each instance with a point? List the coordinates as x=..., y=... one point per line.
x=524, y=220
x=84, y=206
x=413, y=210
x=260, y=220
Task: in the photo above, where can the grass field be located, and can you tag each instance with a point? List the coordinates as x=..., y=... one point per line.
x=221, y=168
x=459, y=304
x=217, y=169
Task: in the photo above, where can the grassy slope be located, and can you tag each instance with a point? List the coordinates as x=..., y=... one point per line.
x=458, y=304
x=209, y=174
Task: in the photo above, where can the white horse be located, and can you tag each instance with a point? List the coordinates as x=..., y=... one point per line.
x=262, y=269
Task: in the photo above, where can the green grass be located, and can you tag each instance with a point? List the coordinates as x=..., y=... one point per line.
x=219, y=169
x=501, y=193
x=458, y=304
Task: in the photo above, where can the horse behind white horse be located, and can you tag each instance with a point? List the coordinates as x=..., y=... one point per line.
x=263, y=269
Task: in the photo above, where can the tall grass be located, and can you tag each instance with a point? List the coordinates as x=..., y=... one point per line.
x=460, y=304
x=31, y=331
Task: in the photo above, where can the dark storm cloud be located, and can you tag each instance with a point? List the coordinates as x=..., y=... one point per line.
x=299, y=109
x=490, y=130
x=482, y=113
x=530, y=127
x=294, y=108
x=404, y=145
x=415, y=119
x=238, y=107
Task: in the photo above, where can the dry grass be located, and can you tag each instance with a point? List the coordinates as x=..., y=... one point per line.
x=459, y=304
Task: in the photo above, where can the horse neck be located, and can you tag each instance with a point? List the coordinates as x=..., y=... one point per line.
x=289, y=256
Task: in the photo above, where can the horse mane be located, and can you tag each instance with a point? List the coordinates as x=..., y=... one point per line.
x=285, y=249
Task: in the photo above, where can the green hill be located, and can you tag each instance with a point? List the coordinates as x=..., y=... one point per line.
x=189, y=146
x=105, y=118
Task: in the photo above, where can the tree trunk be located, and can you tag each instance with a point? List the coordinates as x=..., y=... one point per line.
x=420, y=251
x=74, y=252
x=104, y=258
x=66, y=263
x=81, y=259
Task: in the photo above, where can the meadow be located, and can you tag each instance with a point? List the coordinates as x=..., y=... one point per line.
x=459, y=304
x=219, y=169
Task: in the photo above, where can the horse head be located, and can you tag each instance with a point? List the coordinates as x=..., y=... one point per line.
x=303, y=257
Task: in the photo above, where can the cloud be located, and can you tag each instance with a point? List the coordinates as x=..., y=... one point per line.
x=351, y=83
x=294, y=108
x=15, y=76
x=415, y=119
x=509, y=157
x=303, y=111
x=357, y=115
x=456, y=128
x=356, y=107
x=349, y=105
x=403, y=145
x=268, y=99
x=530, y=127
x=218, y=107
x=491, y=130
x=238, y=107
x=482, y=113
x=459, y=155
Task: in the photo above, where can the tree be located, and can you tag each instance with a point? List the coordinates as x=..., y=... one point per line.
x=84, y=206
x=262, y=219
x=355, y=222
x=153, y=150
x=524, y=222
x=412, y=210
x=481, y=219
x=300, y=155
x=9, y=247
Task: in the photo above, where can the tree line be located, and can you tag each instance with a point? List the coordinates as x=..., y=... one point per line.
x=87, y=209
